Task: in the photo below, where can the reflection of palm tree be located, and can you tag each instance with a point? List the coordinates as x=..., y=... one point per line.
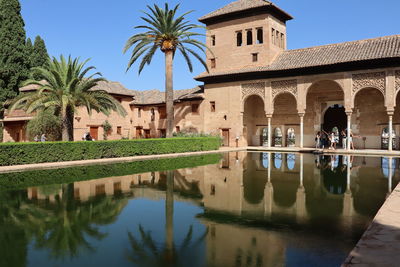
x=71, y=222
x=146, y=252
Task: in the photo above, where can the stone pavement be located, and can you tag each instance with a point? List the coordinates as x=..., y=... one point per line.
x=380, y=244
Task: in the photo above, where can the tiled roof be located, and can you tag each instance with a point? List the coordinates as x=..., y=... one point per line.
x=150, y=97
x=115, y=88
x=240, y=5
x=326, y=55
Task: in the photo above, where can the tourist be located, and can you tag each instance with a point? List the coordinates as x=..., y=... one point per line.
x=36, y=138
x=43, y=138
x=318, y=140
x=88, y=137
x=324, y=139
x=344, y=139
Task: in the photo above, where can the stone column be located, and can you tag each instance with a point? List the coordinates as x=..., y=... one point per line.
x=301, y=115
x=301, y=170
x=269, y=130
x=390, y=145
x=348, y=129
x=390, y=175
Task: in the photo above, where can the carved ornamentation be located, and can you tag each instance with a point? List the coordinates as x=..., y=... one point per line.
x=286, y=86
x=249, y=89
x=397, y=78
x=375, y=80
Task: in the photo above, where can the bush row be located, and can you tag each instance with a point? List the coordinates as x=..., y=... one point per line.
x=21, y=180
x=27, y=153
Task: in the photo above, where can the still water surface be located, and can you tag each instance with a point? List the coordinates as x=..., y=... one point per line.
x=247, y=209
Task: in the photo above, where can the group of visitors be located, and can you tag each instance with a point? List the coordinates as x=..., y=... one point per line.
x=42, y=138
x=87, y=137
x=331, y=139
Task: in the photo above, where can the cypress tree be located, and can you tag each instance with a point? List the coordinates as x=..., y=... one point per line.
x=29, y=51
x=40, y=55
x=12, y=49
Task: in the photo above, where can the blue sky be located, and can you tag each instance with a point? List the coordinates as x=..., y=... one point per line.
x=98, y=29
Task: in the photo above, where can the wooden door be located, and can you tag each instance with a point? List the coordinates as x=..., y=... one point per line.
x=225, y=137
x=147, y=134
x=94, y=133
x=138, y=133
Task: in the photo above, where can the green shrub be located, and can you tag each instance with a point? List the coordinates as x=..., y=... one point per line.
x=27, y=153
x=45, y=122
x=21, y=180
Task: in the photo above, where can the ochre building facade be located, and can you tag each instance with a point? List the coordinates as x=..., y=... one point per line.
x=259, y=93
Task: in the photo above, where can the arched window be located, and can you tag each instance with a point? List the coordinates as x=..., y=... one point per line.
x=249, y=37
x=291, y=137
x=385, y=166
x=290, y=161
x=278, y=160
x=264, y=137
x=265, y=160
x=278, y=137
x=385, y=138
x=239, y=38
x=153, y=115
x=260, y=36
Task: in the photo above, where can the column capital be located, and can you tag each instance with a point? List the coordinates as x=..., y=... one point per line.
x=390, y=112
x=301, y=114
x=349, y=113
x=268, y=115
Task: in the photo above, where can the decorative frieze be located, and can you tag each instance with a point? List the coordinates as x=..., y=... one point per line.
x=397, y=79
x=375, y=80
x=286, y=86
x=249, y=89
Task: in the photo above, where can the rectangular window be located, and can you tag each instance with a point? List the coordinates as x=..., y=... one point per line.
x=260, y=36
x=119, y=130
x=213, y=63
x=277, y=38
x=212, y=40
x=163, y=112
x=195, y=108
x=117, y=188
x=100, y=190
x=212, y=105
x=273, y=36
x=254, y=57
x=282, y=40
x=249, y=37
x=177, y=129
x=139, y=112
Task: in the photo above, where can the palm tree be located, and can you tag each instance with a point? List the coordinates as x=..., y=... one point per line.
x=167, y=32
x=64, y=88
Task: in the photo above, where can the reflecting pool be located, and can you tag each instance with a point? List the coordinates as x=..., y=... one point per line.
x=234, y=209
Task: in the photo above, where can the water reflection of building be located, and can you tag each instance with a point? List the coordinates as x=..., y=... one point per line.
x=262, y=187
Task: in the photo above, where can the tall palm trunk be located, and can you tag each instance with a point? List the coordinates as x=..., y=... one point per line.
x=169, y=218
x=67, y=124
x=169, y=92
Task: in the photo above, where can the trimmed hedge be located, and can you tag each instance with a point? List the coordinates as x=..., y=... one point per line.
x=22, y=180
x=27, y=153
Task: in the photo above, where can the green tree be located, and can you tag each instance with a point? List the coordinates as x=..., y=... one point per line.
x=12, y=49
x=45, y=122
x=64, y=89
x=168, y=32
x=39, y=56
